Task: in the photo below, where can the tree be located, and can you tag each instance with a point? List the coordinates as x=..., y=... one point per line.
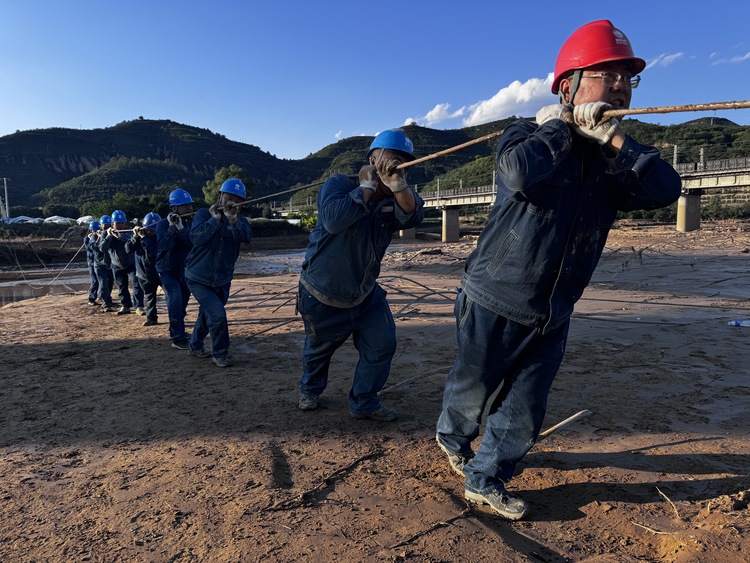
x=212, y=187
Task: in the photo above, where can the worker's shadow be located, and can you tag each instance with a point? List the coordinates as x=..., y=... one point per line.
x=615, y=483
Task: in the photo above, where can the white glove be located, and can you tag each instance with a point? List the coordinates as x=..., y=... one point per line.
x=392, y=177
x=586, y=119
x=554, y=111
x=231, y=211
x=175, y=221
x=137, y=232
x=214, y=211
x=112, y=233
x=368, y=177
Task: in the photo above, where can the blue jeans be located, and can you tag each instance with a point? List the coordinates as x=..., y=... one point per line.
x=149, y=287
x=123, y=278
x=93, y=283
x=327, y=328
x=177, y=294
x=494, y=354
x=106, y=280
x=212, y=317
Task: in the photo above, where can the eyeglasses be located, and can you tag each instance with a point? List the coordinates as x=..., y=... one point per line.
x=611, y=78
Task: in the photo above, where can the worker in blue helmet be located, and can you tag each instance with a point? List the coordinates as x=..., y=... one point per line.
x=173, y=245
x=103, y=265
x=217, y=234
x=89, y=241
x=143, y=246
x=339, y=295
x=123, y=264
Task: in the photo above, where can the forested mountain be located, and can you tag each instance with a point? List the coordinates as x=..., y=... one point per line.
x=143, y=157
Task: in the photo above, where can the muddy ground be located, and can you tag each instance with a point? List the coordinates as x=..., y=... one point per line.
x=116, y=447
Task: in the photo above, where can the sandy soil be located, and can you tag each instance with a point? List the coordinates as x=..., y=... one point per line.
x=116, y=447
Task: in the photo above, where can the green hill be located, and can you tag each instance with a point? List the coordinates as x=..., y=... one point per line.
x=151, y=157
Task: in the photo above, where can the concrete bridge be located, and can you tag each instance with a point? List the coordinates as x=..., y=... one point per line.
x=698, y=178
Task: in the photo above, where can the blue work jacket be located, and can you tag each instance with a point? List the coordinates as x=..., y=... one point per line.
x=101, y=257
x=144, y=249
x=89, y=242
x=558, y=195
x=173, y=247
x=216, y=246
x=348, y=242
x=120, y=257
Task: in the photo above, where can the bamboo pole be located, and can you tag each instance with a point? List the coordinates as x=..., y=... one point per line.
x=672, y=109
x=714, y=106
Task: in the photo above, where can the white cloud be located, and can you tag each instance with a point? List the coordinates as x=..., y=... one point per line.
x=665, y=60
x=515, y=99
x=339, y=135
x=438, y=114
x=732, y=60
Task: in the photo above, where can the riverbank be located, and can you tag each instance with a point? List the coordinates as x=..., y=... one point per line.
x=117, y=447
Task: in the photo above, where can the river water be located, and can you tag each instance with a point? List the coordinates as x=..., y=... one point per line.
x=17, y=285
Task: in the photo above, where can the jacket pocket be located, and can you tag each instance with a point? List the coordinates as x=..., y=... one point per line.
x=501, y=253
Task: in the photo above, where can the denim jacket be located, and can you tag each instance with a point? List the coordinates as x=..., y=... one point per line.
x=144, y=249
x=558, y=195
x=173, y=247
x=101, y=257
x=89, y=242
x=121, y=258
x=216, y=246
x=348, y=242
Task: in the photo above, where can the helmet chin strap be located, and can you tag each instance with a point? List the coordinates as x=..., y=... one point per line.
x=575, y=82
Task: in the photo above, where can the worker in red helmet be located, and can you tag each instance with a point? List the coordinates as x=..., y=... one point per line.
x=561, y=183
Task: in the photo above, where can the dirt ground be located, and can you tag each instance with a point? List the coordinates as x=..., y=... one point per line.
x=116, y=447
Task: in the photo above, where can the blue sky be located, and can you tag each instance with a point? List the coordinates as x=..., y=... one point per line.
x=292, y=77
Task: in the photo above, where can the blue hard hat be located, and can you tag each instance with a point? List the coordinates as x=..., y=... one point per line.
x=395, y=140
x=119, y=216
x=105, y=220
x=94, y=226
x=234, y=186
x=179, y=197
x=150, y=220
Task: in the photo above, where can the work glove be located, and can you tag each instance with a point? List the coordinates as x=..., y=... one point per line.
x=231, y=211
x=368, y=177
x=113, y=233
x=391, y=176
x=214, y=211
x=137, y=232
x=175, y=221
x=586, y=120
x=554, y=111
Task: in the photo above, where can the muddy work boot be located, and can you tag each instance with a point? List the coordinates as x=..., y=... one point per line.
x=308, y=402
x=223, y=361
x=456, y=461
x=199, y=353
x=381, y=415
x=124, y=310
x=500, y=501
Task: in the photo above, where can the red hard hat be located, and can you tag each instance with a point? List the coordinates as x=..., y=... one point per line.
x=596, y=42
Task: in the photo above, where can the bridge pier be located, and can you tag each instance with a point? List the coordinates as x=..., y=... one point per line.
x=689, y=211
x=451, y=230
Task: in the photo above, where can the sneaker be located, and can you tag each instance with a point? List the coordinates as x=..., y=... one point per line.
x=140, y=311
x=149, y=322
x=199, y=353
x=381, y=415
x=501, y=501
x=124, y=310
x=223, y=361
x=93, y=302
x=456, y=461
x=180, y=344
x=308, y=402
x=108, y=308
